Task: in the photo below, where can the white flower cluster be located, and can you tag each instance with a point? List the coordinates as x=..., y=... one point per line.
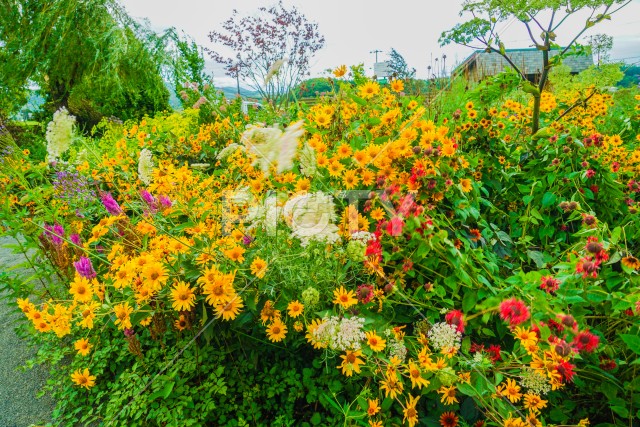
x=308, y=165
x=362, y=236
x=397, y=348
x=444, y=336
x=478, y=361
x=341, y=334
x=534, y=382
x=228, y=150
x=271, y=146
x=145, y=166
x=265, y=215
x=59, y=134
x=311, y=217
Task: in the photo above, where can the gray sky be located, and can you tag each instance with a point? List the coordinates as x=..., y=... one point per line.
x=353, y=28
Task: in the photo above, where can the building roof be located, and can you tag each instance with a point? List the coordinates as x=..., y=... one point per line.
x=528, y=60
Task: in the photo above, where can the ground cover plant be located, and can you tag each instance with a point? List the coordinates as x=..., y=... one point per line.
x=358, y=261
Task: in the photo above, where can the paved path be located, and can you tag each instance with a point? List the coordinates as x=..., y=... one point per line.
x=19, y=406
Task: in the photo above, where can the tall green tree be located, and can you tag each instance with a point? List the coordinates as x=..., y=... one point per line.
x=88, y=56
x=541, y=19
x=398, y=66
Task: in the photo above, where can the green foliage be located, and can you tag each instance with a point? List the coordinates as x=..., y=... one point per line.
x=89, y=57
x=315, y=87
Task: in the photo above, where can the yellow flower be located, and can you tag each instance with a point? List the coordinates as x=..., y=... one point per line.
x=181, y=323
x=154, y=275
x=340, y=71
x=229, y=310
x=259, y=267
x=369, y=90
x=410, y=412
x=534, y=403
x=397, y=85
x=122, y=312
x=511, y=390
x=311, y=328
x=373, y=407
x=276, y=331
x=350, y=180
x=82, y=346
x=416, y=376
x=81, y=289
x=182, y=296
x=392, y=386
x=351, y=362
x=448, y=395
x=375, y=342
x=295, y=308
x=235, y=254
x=83, y=378
x=322, y=119
x=465, y=183
x=344, y=298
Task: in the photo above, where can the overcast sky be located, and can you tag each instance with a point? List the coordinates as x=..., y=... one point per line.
x=354, y=28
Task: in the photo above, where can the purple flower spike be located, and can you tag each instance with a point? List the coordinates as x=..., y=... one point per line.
x=166, y=201
x=84, y=268
x=110, y=204
x=75, y=239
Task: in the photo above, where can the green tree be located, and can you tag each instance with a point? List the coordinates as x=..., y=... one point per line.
x=601, y=45
x=90, y=57
x=545, y=16
x=398, y=66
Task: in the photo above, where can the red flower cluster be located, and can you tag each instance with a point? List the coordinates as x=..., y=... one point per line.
x=514, y=311
x=455, y=318
x=549, y=284
x=586, y=342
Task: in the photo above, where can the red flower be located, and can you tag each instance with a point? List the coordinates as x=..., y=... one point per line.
x=456, y=318
x=514, y=311
x=395, y=225
x=549, y=284
x=588, y=267
x=607, y=364
x=494, y=352
x=586, y=341
x=566, y=370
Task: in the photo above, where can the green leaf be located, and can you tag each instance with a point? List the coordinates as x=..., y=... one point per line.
x=549, y=199
x=632, y=341
x=537, y=257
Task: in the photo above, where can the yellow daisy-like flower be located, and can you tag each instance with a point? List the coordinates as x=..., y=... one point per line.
x=181, y=323
x=183, y=297
x=392, y=386
x=397, y=85
x=410, y=412
x=369, y=90
x=373, y=407
x=229, y=310
x=236, y=253
x=322, y=119
x=344, y=298
x=82, y=346
x=465, y=184
x=375, y=342
x=122, y=312
x=276, y=331
x=81, y=289
x=512, y=391
x=155, y=275
x=311, y=328
x=259, y=267
x=351, y=362
x=340, y=71
x=534, y=403
x=295, y=308
x=416, y=376
x=448, y=395
x=83, y=378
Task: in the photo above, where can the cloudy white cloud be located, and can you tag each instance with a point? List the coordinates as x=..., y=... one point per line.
x=354, y=28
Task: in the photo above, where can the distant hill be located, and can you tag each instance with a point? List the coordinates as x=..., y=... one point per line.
x=232, y=92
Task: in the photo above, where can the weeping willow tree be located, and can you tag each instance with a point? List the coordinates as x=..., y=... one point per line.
x=88, y=56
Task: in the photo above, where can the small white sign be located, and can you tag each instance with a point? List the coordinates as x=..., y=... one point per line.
x=381, y=69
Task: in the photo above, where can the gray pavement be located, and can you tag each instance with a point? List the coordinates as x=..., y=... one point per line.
x=19, y=406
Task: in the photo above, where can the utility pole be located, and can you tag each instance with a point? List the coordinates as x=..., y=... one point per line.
x=376, y=53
